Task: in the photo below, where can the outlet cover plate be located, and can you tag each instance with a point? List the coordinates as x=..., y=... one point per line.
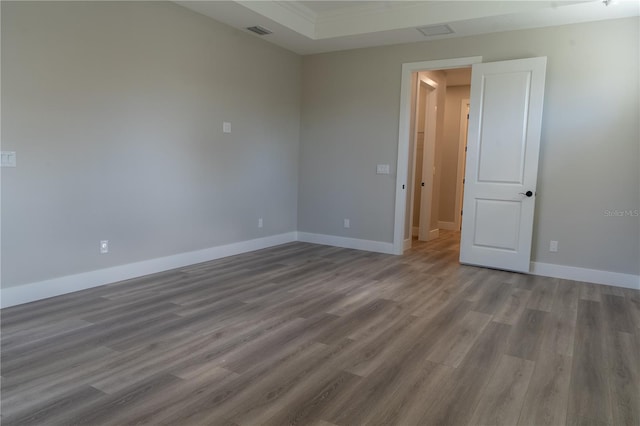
x=8, y=158
x=382, y=169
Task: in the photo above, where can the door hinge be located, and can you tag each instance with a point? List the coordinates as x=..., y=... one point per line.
x=464, y=180
x=461, y=212
x=465, y=149
x=467, y=116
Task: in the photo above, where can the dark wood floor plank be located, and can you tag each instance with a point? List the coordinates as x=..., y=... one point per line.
x=163, y=405
x=450, y=290
x=368, y=352
x=310, y=399
x=526, y=339
x=102, y=412
x=285, y=340
x=59, y=377
x=632, y=298
x=57, y=410
x=590, y=291
x=460, y=339
x=372, y=391
x=623, y=356
x=558, y=335
x=407, y=407
x=616, y=313
x=585, y=421
x=493, y=298
x=615, y=291
x=456, y=398
x=503, y=396
x=589, y=396
x=542, y=294
x=513, y=307
x=401, y=363
x=43, y=312
x=18, y=338
x=256, y=393
x=566, y=299
x=547, y=397
x=186, y=358
x=358, y=319
x=39, y=353
x=360, y=295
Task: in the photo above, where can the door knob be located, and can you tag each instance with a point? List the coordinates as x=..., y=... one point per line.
x=528, y=193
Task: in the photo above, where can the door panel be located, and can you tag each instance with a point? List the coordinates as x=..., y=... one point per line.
x=504, y=123
x=502, y=163
x=428, y=162
x=500, y=220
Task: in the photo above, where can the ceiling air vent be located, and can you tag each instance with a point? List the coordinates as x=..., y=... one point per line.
x=435, y=30
x=259, y=30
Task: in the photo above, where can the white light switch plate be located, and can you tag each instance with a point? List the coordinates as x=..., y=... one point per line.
x=226, y=127
x=8, y=158
x=382, y=169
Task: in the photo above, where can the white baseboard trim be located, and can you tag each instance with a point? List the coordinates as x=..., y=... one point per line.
x=54, y=287
x=433, y=234
x=595, y=276
x=345, y=242
x=406, y=244
x=57, y=286
x=449, y=226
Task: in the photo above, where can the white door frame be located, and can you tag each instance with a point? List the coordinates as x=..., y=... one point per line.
x=404, y=131
x=413, y=145
x=462, y=142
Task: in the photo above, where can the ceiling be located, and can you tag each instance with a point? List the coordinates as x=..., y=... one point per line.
x=308, y=27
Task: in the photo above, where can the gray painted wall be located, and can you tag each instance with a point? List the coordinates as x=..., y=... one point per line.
x=590, y=150
x=115, y=110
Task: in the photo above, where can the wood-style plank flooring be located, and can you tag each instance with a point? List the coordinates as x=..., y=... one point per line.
x=308, y=334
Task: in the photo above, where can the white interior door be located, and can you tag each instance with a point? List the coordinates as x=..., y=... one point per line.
x=425, y=232
x=502, y=163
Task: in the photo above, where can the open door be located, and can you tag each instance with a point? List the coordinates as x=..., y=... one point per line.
x=426, y=233
x=502, y=163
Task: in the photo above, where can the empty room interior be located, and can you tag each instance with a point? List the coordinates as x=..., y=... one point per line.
x=320, y=213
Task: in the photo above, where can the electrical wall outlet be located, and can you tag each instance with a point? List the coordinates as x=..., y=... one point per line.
x=226, y=127
x=382, y=169
x=8, y=158
x=347, y=223
x=104, y=246
x=553, y=246
x=260, y=223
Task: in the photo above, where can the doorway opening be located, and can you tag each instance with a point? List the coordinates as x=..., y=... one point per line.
x=501, y=161
x=404, y=198
x=437, y=142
